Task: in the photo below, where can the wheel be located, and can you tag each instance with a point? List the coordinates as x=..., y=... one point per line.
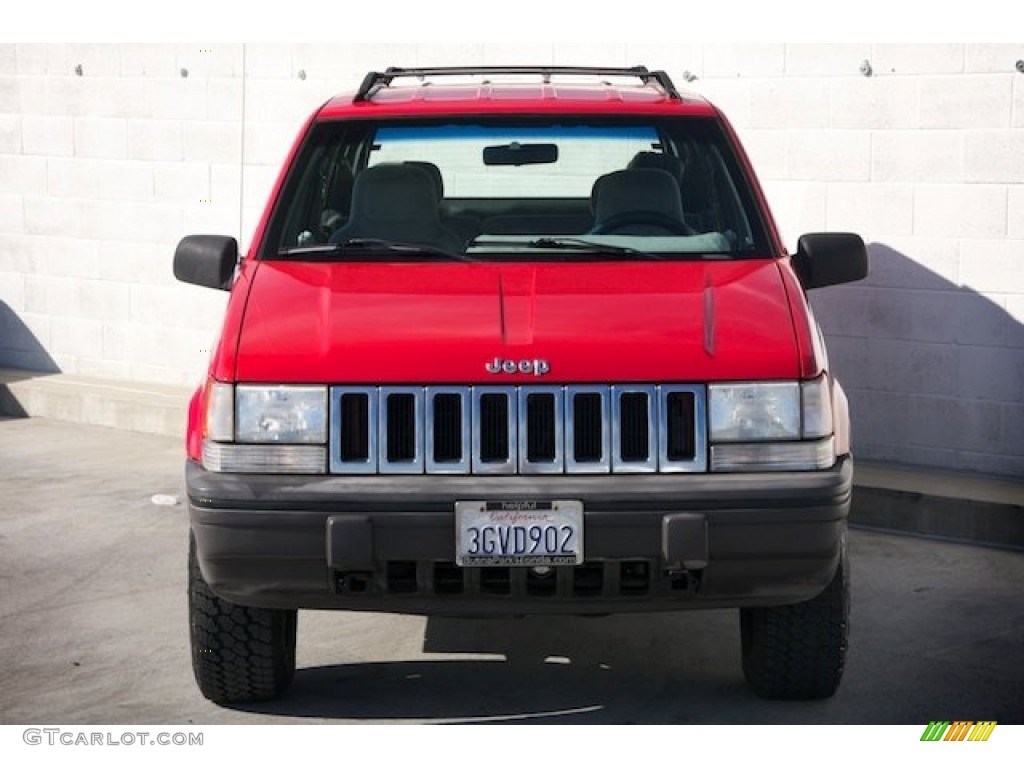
x=238, y=653
x=642, y=219
x=798, y=651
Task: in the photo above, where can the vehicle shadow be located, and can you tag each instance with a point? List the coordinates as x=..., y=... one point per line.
x=645, y=668
x=934, y=369
x=935, y=627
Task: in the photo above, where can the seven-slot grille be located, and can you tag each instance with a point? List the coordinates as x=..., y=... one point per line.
x=518, y=430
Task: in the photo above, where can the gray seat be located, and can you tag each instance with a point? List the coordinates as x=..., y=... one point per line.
x=433, y=171
x=397, y=202
x=641, y=201
x=466, y=227
x=671, y=164
x=693, y=187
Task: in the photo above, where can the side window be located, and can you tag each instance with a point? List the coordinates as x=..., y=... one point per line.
x=317, y=195
x=715, y=196
x=301, y=222
x=334, y=198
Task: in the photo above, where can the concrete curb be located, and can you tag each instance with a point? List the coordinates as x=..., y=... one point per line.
x=972, y=508
x=957, y=506
x=152, y=408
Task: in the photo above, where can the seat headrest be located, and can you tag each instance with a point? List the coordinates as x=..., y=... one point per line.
x=395, y=201
x=640, y=189
x=433, y=171
x=672, y=165
x=394, y=191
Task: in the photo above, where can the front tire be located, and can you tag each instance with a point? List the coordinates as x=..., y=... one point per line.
x=797, y=652
x=239, y=653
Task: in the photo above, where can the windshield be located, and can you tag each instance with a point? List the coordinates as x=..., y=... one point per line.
x=499, y=189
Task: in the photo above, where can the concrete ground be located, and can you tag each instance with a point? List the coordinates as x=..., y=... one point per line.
x=93, y=625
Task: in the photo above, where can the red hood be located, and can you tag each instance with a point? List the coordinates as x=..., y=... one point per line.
x=442, y=323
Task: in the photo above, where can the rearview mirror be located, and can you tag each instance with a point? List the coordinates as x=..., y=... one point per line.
x=207, y=260
x=520, y=154
x=830, y=258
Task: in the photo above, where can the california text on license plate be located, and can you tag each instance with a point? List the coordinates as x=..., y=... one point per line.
x=518, y=533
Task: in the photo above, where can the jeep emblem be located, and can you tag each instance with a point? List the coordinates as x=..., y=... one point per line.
x=536, y=367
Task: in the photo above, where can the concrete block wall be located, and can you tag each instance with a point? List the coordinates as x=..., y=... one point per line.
x=924, y=158
x=102, y=172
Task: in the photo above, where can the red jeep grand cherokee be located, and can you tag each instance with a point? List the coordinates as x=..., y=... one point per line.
x=517, y=340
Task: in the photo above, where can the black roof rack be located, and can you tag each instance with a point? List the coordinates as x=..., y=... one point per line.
x=375, y=80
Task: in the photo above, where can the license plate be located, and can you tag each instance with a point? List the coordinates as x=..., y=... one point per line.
x=518, y=533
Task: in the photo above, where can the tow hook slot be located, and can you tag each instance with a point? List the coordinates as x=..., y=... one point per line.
x=682, y=580
x=353, y=582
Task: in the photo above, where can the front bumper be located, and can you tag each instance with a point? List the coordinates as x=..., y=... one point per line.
x=653, y=542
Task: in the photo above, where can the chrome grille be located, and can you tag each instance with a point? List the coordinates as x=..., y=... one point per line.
x=541, y=430
x=447, y=429
x=491, y=430
x=634, y=430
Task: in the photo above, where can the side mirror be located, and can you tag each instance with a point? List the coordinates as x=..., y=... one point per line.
x=830, y=258
x=207, y=260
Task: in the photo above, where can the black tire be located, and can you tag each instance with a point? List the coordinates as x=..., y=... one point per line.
x=797, y=652
x=238, y=653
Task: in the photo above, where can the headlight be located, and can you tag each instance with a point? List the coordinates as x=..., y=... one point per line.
x=280, y=414
x=755, y=411
x=771, y=426
x=265, y=429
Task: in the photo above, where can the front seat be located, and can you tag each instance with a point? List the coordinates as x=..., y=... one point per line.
x=466, y=227
x=639, y=201
x=671, y=164
x=397, y=202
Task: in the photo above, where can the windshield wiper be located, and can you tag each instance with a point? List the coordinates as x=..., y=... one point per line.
x=573, y=244
x=372, y=244
x=582, y=244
